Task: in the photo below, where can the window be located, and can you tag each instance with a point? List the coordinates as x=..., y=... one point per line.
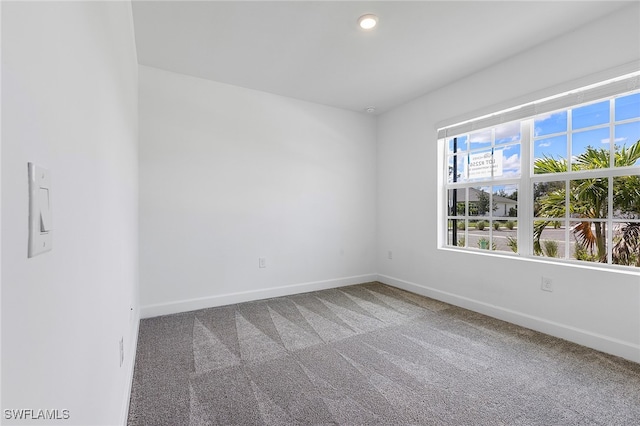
x=563, y=183
x=484, y=173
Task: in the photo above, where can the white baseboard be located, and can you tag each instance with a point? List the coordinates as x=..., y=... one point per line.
x=130, y=364
x=150, y=311
x=582, y=337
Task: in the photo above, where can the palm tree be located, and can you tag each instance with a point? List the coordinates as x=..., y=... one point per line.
x=588, y=199
x=626, y=250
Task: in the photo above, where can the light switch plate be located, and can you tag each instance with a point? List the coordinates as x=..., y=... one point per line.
x=40, y=214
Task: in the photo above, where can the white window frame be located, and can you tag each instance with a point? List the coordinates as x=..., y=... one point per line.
x=526, y=113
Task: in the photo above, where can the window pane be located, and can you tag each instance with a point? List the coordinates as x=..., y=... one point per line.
x=549, y=199
x=590, y=149
x=479, y=201
x=461, y=144
x=588, y=198
x=549, y=239
x=474, y=235
x=456, y=238
x=550, y=123
x=480, y=139
x=590, y=115
x=550, y=155
x=505, y=201
x=626, y=135
x=628, y=107
x=459, y=171
x=456, y=197
x=511, y=166
x=626, y=246
x=509, y=132
x=505, y=237
x=589, y=241
x=478, y=234
x=626, y=197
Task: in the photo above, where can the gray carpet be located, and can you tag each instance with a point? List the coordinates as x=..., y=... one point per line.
x=369, y=354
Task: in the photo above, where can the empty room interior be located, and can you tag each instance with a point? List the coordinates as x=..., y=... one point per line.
x=318, y=212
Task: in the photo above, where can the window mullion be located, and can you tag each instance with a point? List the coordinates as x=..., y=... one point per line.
x=609, y=222
x=466, y=217
x=570, y=140
x=525, y=193
x=612, y=165
x=612, y=140
x=567, y=218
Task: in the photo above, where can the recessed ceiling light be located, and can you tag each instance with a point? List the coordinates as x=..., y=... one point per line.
x=368, y=21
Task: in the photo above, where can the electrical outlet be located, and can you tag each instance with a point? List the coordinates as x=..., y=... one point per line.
x=390, y=255
x=547, y=284
x=121, y=351
x=262, y=262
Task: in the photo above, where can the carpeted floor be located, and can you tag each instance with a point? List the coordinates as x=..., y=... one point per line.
x=369, y=354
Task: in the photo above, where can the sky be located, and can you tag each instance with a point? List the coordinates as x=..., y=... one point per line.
x=549, y=140
x=590, y=127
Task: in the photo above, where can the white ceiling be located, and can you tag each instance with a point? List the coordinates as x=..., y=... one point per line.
x=314, y=50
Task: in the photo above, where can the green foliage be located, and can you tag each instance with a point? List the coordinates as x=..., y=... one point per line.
x=461, y=225
x=483, y=243
x=483, y=202
x=549, y=165
x=510, y=225
x=496, y=225
x=581, y=253
x=461, y=242
x=588, y=199
x=538, y=227
x=480, y=225
x=550, y=248
x=626, y=248
x=512, y=243
x=626, y=193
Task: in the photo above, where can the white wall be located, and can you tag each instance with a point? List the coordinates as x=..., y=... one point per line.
x=590, y=306
x=69, y=104
x=228, y=175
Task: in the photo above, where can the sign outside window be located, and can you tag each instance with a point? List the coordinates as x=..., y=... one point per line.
x=484, y=164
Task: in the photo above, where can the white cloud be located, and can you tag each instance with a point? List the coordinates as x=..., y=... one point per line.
x=480, y=137
x=509, y=173
x=543, y=117
x=616, y=140
x=544, y=144
x=509, y=131
x=511, y=162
